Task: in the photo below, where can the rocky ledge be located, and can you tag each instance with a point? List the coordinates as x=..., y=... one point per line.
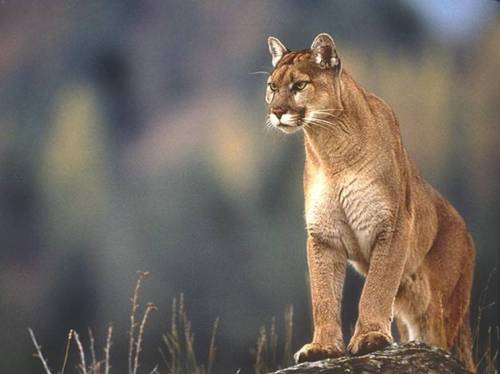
x=408, y=358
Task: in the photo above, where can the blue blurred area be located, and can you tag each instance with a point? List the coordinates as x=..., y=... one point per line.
x=133, y=137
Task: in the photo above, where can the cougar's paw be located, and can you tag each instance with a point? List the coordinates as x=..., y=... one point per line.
x=361, y=344
x=316, y=352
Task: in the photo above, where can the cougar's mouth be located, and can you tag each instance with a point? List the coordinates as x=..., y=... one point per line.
x=281, y=124
x=289, y=129
x=287, y=123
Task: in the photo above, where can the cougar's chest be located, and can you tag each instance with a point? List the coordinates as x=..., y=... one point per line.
x=325, y=218
x=344, y=213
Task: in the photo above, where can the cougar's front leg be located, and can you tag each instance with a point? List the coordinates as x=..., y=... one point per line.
x=373, y=328
x=326, y=275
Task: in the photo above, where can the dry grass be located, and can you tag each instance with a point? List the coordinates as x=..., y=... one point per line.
x=135, y=342
x=136, y=338
x=179, y=358
x=179, y=355
x=95, y=366
x=268, y=356
x=486, y=355
x=39, y=352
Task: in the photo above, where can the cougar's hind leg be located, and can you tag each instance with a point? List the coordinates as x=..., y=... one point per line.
x=403, y=332
x=451, y=264
x=430, y=325
x=412, y=306
x=462, y=345
x=457, y=319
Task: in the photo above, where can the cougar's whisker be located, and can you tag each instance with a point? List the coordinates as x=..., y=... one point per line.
x=338, y=124
x=326, y=114
x=268, y=123
x=321, y=121
x=328, y=110
x=313, y=123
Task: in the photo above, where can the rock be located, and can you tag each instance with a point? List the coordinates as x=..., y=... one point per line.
x=408, y=358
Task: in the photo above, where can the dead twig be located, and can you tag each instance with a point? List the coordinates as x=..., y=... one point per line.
x=83, y=365
x=135, y=305
x=93, y=366
x=212, y=349
x=140, y=337
x=107, y=349
x=39, y=352
x=66, y=351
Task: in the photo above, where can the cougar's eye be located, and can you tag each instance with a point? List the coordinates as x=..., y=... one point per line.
x=272, y=86
x=299, y=86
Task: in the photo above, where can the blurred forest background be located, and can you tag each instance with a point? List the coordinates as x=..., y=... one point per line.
x=132, y=137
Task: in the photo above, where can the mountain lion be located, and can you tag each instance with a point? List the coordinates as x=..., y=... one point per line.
x=366, y=203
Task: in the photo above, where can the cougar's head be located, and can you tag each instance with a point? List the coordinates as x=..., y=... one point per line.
x=302, y=86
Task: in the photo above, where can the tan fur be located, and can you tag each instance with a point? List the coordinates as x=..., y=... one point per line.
x=366, y=204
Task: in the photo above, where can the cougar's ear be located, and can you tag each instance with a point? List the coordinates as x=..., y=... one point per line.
x=276, y=48
x=324, y=52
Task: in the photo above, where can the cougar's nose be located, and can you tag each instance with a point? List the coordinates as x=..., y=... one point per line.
x=278, y=112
